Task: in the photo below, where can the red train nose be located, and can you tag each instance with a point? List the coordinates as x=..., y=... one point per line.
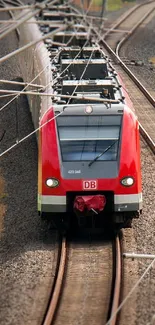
x=89, y=203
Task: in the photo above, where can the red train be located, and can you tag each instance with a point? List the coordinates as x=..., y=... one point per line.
x=89, y=152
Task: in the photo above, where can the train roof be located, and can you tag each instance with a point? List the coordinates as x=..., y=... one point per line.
x=81, y=75
x=97, y=109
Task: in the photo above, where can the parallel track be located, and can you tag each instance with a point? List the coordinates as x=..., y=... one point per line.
x=122, y=26
x=53, y=310
x=145, y=129
x=139, y=95
x=144, y=103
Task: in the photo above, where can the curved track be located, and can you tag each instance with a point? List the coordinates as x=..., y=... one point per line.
x=143, y=102
x=85, y=272
x=76, y=28
x=87, y=285
x=56, y=290
x=126, y=25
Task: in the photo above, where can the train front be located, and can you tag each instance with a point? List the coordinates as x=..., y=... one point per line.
x=89, y=165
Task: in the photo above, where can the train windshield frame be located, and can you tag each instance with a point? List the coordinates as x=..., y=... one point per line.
x=84, y=137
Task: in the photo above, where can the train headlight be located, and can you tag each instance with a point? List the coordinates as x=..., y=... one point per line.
x=52, y=182
x=127, y=181
x=88, y=109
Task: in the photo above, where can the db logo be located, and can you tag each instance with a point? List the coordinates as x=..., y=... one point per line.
x=90, y=185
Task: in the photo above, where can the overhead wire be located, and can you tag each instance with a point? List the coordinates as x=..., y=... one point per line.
x=16, y=8
x=22, y=91
x=144, y=273
x=52, y=95
x=12, y=94
x=54, y=80
x=150, y=265
x=45, y=87
x=68, y=44
x=30, y=83
x=30, y=44
x=82, y=75
x=13, y=82
x=14, y=2
x=27, y=17
x=41, y=126
x=30, y=134
x=131, y=292
x=8, y=22
x=6, y=25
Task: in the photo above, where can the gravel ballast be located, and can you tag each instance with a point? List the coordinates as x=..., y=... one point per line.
x=141, y=47
x=28, y=247
x=139, y=308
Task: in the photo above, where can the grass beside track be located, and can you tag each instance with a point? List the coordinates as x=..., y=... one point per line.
x=110, y=5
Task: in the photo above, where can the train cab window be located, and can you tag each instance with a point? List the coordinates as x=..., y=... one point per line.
x=83, y=138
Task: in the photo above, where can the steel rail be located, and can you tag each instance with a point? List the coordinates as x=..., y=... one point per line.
x=59, y=281
x=125, y=16
x=125, y=38
x=141, y=128
x=57, y=286
x=143, y=132
x=117, y=283
x=146, y=136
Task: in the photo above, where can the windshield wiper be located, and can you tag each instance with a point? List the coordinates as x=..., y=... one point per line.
x=101, y=154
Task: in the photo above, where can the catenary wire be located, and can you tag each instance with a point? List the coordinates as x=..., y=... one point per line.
x=27, y=16
x=147, y=269
x=30, y=134
x=131, y=292
x=43, y=71
x=41, y=126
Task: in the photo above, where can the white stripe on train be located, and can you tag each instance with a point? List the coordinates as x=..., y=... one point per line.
x=118, y=199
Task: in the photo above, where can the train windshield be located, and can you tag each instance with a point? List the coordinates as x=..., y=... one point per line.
x=83, y=138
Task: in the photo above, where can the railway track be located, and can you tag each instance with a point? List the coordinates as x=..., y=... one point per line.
x=87, y=284
x=142, y=100
x=139, y=95
x=128, y=23
x=57, y=308
x=112, y=41
x=144, y=103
